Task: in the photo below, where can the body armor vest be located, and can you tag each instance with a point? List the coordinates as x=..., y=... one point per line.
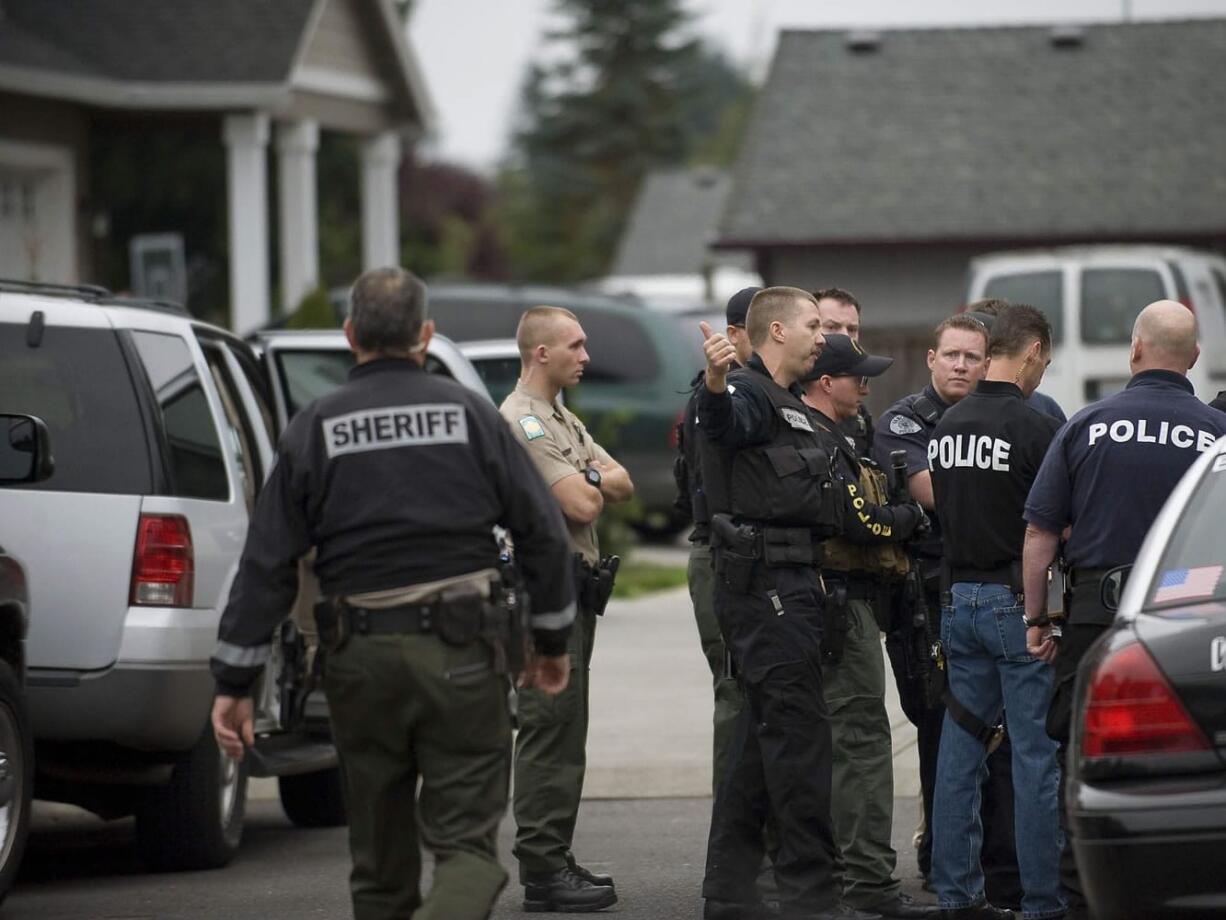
x=787, y=481
x=882, y=560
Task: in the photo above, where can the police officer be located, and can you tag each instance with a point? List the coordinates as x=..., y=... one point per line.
x=986, y=312
x=983, y=456
x=859, y=565
x=957, y=361
x=694, y=500
x=841, y=312
x=768, y=600
x=398, y=477
x=1136, y=443
x=550, y=748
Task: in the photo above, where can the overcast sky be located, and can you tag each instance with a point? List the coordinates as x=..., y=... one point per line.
x=474, y=52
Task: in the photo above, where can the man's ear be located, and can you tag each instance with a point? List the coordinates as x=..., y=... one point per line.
x=423, y=338
x=1134, y=351
x=540, y=354
x=932, y=358
x=348, y=327
x=777, y=331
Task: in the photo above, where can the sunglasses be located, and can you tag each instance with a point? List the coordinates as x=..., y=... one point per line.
x=862, y=382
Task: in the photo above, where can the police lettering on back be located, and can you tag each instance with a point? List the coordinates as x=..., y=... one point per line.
x=982, y=451
x=1124, y=430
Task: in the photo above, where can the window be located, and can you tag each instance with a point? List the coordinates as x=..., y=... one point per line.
x=1044, y=290
x=77, y=381
x=242, y=439
x=1111, y=298
x=499, y=376
x=308, y=375
x=1193, y=568
x=197, y=469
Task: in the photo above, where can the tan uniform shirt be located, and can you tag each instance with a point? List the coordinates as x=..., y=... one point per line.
x=560, y=446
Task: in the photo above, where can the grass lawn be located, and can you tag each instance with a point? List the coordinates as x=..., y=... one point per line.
x=634, y=579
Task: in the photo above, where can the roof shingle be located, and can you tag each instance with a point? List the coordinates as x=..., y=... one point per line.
x=947, y=134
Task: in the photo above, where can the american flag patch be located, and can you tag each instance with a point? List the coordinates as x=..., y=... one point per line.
x=1187, y=584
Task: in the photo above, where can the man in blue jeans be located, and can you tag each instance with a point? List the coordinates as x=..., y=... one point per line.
x=983, y=456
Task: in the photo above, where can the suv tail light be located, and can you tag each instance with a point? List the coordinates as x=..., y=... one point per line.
x=1131, y=709
x=163, y=566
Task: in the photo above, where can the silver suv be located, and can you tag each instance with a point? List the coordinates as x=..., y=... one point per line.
x=162, y=429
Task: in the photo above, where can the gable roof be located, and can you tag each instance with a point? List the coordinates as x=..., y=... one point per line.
x=673, y=221
x=159, y=54
x=974, y=134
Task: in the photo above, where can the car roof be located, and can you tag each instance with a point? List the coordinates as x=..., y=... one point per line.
x=1086, y=251
x=489, y=348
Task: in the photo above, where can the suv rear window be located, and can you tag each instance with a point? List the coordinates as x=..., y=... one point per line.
x=620, y=348
x=76, y=380
x=1111, y=298
x=1044, y=290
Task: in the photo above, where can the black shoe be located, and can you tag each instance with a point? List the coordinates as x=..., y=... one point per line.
x=735, y=910
x=565, y=891
x=984, y=911
x=600, y=881
x=904, y=907
x=842, y=912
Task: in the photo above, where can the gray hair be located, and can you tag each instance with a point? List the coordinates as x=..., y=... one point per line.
x=387, y=307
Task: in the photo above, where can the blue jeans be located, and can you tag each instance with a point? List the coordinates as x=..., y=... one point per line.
x=989, y=667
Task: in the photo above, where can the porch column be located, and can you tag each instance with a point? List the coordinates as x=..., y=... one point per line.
x=246, y=139
x=380, y=201
x=298, y=217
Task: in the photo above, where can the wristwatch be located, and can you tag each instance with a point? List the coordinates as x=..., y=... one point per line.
x=1043, y=620
x=592, y=475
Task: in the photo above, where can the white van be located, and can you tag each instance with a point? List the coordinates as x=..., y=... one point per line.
x=1092, y=295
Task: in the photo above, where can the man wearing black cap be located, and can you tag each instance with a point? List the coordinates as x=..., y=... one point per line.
x=858, y=566
x=692, y=499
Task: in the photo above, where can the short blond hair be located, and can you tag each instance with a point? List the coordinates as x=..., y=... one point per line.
x=773, y=305
x=538, y=326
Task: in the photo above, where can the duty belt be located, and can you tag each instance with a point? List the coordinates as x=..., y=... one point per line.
x=1078, y=578
x=391, y=621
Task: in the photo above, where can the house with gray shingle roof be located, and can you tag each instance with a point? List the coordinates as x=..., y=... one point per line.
x=263, y=74
x=883, y=161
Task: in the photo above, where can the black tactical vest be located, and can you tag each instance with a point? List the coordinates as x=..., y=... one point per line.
x=789, y=480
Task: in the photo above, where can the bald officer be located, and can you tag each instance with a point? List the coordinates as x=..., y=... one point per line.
x=550, y=747
x=1137, y=443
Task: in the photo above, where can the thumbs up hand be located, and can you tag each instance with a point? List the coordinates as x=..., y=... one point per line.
x=721, y=354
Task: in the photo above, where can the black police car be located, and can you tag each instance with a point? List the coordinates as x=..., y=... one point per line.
x=1147, y=764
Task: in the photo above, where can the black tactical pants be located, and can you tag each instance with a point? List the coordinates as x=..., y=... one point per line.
x=780, y=761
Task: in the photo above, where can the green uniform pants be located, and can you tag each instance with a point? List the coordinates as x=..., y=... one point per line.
x=550, y=759
x=729, y=699
x=863, y=781
x=409, y=708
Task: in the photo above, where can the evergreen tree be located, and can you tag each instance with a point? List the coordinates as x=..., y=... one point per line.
x=633, y=91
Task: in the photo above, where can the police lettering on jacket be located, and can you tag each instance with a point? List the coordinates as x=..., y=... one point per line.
x=1111, y=468
x=983, y=456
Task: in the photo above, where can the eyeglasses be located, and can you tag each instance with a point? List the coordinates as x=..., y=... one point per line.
x=862, y=382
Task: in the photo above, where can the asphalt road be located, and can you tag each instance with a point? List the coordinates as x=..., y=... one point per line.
x=81, y=869
x=644, y=818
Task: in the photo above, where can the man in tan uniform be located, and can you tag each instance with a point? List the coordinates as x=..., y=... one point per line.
x=550, y=746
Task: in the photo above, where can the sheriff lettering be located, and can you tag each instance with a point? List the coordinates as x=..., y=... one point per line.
x=395, y=426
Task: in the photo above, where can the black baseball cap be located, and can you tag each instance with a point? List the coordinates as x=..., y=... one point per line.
x=738, y=306
x=841, y=357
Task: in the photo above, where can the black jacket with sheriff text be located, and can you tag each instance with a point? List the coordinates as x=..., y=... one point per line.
x=398, y=478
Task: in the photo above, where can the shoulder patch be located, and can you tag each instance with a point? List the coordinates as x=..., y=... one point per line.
x=900, y=424
x=532, y=427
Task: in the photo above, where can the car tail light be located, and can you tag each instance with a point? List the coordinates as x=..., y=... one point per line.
x=1131, y=709
x=163, y=566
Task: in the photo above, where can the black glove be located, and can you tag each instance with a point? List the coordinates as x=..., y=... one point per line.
x=910, y=520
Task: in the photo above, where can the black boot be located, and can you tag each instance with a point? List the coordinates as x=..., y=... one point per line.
x=600, y=881
x=565, y=891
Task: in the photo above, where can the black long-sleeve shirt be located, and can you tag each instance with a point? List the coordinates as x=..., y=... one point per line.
x=398, y=478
